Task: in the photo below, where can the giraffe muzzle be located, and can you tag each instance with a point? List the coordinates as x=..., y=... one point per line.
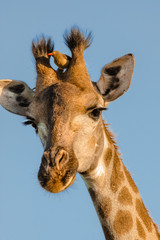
x=57, y=170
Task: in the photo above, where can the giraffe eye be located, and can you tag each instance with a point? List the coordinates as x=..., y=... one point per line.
x=95, y=114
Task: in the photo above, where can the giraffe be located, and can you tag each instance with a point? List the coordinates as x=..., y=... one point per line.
x=66, y=111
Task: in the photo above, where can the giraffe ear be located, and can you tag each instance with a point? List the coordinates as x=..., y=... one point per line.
x=15, y=96
x=116, y=78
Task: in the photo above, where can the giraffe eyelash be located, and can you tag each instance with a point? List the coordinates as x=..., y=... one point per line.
x=31, y=121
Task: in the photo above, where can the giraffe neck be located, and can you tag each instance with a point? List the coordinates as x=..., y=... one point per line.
x=116, y=198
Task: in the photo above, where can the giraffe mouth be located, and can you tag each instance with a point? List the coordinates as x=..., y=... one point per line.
x=57, y=171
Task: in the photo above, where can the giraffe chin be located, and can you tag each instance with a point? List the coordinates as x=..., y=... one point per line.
x=58, y=186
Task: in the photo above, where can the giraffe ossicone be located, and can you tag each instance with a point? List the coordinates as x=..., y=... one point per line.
x=65, y=109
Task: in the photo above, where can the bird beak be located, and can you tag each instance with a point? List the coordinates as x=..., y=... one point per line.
x=50, y=54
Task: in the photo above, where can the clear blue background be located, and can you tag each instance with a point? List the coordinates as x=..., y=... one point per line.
x=26, y=210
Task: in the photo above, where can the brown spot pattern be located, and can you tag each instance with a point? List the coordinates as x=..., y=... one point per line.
x=123, y=222
x=143, y=213
x=125, y=197
x=117, y=175
x=140, y=229
x=130, y=180
x=108, y=156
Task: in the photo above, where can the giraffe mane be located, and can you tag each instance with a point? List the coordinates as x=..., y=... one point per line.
x=111, y=137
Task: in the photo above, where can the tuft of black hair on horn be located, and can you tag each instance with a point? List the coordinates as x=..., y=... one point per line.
x=75, y=39
x=42, y=47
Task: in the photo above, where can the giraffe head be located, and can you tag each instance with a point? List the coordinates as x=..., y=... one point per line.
x=66, y=108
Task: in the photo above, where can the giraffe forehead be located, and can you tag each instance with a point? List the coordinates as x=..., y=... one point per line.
x=79, y=97
x=66, y=96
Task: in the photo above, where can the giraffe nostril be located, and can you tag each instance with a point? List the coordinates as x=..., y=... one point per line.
x=61, y=159
x=43, y=175
x=54, y=158
x=44, y=160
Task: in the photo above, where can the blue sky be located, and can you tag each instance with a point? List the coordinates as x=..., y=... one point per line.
x=119, y=27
